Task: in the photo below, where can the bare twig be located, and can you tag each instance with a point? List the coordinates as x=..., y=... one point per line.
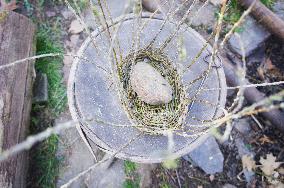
x=26, y=60
x=29, y=59
x=248, y=86
x=31, y=140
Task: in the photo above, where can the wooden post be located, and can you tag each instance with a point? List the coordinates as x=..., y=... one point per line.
x=16, y=42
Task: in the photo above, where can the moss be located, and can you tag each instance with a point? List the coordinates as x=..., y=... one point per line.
x=3, y=16
x=133, y=180
x=45, y=165
x=52, y=67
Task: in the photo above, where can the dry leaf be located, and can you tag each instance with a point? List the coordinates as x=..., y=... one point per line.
x=268, y=71
x=76, y=27
x=264, y=139
x=248, y=162
x=260, y=72
x=269, y=164
x=12, y=5
x=211, y=177
x=268, y=65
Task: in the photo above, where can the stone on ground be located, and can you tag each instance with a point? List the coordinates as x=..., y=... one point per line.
x=145, y=173
x=75, y=27
x=252, y=36
x=242, y=126
x=67, y=14
x=107, y=175
x=204, y=17
x=207, y=156
x=40, y=88
x=150, y=86
x=77, y=158
x=150, y=5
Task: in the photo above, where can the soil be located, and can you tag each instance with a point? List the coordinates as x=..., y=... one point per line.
x=260, y=141
x=269, y=66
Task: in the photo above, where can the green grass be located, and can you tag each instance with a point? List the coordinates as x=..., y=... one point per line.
x=235, y=10
x=52, y=67
x=133, y=180
x=46, y=165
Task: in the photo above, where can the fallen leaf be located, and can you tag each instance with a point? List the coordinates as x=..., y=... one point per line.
x=248, y=162
x=268, y=64
x=265, y=139
x=269, y=164
x=12, y=5
x=268, y=71
x=74, y=39
x=76, y=27
x=211, y=177
x=260, y=72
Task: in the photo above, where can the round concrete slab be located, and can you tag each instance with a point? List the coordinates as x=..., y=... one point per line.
x=92, y=95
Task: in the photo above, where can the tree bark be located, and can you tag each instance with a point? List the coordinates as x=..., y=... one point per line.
x=16, y=42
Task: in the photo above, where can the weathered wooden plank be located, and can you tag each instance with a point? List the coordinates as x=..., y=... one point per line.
x=16, y=42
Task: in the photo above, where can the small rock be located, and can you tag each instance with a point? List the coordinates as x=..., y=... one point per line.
x=229, y=186
x=242, y=126
x=117, y=8
x=74, y=39
x=252, y=36
x=150, y=5
x=145, y=172
x=150, y=86
x=50, y=14
x=67, y=14
x=205, y=16
x=107, y=175
x=75, y=27
x=90, y=19
x=208, y=156
x=40, y=88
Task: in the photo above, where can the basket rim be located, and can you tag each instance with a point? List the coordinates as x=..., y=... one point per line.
x=103, y=146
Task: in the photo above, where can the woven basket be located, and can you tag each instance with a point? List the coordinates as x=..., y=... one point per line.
x=106, y=119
